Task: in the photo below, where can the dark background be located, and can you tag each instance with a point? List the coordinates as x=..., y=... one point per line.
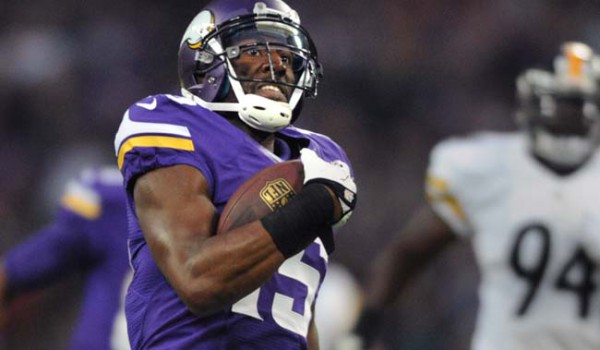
x=399, y=76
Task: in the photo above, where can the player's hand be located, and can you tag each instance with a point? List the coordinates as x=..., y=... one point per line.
x=336, y=175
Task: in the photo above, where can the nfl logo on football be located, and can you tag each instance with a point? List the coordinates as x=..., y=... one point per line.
x=276, y=193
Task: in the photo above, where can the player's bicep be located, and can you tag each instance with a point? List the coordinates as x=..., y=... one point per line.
x=174, y=211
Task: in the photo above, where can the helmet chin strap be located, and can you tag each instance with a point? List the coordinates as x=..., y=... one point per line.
x=264, y=114
x=257, y=111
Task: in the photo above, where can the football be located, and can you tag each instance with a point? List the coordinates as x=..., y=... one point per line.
x=262, y=194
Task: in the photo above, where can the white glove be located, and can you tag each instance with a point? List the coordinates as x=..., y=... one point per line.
x=336, y=175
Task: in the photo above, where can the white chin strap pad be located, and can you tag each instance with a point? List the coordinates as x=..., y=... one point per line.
x=264, y=114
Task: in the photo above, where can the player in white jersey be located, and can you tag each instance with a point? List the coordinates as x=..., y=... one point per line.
x=527, y=200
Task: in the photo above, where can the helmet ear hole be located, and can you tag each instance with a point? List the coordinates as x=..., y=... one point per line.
x=205, y=57
x=211, y=84
x=223, y=90
x=205, y=61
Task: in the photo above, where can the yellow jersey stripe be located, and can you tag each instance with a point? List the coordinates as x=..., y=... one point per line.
x=154, y=141
x=437, y=183
x=129, y=128
x=440, y=186
x=78, y=205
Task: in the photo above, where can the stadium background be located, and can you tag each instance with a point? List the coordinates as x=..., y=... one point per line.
x=399, y=76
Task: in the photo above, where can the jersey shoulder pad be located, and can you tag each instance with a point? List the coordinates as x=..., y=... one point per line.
x=463, y=159
x=161, y=131
x=107, y=181
x=159, y=121
x=102, y=176
x=322, y=144
x=92, y=189
x=295, y=131
x=462, y=171
x=82, y=197
x=158, y=115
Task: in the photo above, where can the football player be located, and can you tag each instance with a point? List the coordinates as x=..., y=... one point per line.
x=88, y=234
x=524, y=200
x=245, y=67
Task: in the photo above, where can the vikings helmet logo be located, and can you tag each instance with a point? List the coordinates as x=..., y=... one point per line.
x=199, y=28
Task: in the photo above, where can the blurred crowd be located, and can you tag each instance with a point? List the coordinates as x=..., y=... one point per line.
x=399, y=76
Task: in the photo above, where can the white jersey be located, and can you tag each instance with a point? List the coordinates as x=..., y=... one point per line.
x=534, y=237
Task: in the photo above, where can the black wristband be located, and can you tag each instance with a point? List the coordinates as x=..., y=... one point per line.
x=300, y=221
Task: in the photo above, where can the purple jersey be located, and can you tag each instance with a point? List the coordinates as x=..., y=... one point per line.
x=165, y=130
x=89, y=233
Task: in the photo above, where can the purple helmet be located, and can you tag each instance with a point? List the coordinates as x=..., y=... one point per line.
x=226, y=29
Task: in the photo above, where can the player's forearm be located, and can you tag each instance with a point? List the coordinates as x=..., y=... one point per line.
x=261, y=246
x=225, y=268
x=47, y=256
x=390, y=274
x=208, y=271
x=211, y=271
x=423, y=238
x=228, y=266
x=390, y=277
